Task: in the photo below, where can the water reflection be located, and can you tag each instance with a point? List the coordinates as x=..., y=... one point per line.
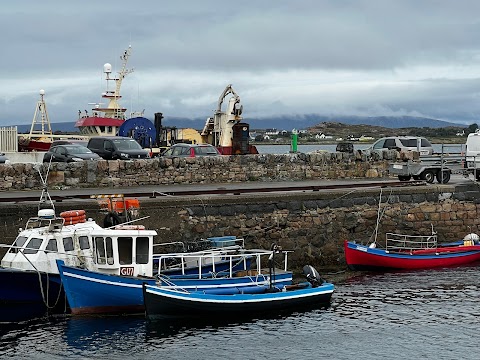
x=398, y=315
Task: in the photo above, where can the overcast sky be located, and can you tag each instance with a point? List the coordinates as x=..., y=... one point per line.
x=330, y=57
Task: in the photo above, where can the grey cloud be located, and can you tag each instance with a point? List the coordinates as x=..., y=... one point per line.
x=256, y=45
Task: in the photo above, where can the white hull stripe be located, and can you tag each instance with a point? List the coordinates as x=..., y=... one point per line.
x=192, y=287
x=228, y=298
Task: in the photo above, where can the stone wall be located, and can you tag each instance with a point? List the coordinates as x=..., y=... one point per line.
x=313, y=224
x=221, y=169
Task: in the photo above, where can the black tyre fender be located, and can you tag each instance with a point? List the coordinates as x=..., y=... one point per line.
x=404, y=177
x=111, y=219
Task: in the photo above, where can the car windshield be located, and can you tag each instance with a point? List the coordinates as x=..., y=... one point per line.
x=78, y=149
x=409, y=142
x=127, y=144
x=205, y=150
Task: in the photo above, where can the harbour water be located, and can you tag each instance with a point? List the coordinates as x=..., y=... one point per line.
x=285, y=149
x=427, y=314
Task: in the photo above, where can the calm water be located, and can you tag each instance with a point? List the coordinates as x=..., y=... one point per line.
x=284, y=149
x=405, y=315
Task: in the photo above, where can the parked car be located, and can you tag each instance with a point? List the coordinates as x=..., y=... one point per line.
x=69, y=153
x=191, y=150
x=117, y=147
x=404, y=143
x=3, y=159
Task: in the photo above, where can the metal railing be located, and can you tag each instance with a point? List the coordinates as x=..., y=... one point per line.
x=400, y=242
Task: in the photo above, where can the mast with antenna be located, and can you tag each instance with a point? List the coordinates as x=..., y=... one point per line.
x=40, y=118
x=113, y=109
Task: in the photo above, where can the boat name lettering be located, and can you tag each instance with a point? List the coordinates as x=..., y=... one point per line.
x=127, y=271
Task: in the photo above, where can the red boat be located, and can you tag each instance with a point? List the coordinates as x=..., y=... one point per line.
x=412, y=252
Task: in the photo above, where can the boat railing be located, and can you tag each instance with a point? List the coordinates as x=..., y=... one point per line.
x=222, y=242
x=237, y=261
x=55, y=223
x=401, y=242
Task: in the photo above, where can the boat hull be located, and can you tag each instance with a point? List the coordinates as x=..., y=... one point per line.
x=165, y=303
x=90, y=292
x=28, y=294
x=29, y=145
x=360, y=257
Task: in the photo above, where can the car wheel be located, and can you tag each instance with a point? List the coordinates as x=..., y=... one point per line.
x=443, y=177
x=428, y=176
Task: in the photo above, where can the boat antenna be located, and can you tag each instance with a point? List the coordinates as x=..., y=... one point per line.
x=378, y=217
x=45, y=201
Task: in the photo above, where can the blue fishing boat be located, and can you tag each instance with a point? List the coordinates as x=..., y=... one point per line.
x=237, y=302
x=93, y=292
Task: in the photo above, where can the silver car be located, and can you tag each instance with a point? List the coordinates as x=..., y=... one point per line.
x=404, y=143
x=3, y=159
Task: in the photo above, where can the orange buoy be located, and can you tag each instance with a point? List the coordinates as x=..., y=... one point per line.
x=72, y=213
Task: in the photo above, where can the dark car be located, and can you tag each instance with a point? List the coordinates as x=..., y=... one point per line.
x=117, y=147
x=69, y=153
x=191, y=150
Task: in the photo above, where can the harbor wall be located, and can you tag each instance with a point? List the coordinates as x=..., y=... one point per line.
x=312, y=224
x=200, y=170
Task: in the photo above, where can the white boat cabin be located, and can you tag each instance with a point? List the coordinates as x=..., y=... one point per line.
x=121, y=250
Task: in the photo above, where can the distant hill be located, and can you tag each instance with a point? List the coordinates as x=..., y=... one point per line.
x=290, y=122
x=306, y=121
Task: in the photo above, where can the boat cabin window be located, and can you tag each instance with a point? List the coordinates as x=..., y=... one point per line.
x=104, y=250
x=100, y=250
x=108, y=241
x=84, y=243
x=68, y=243
x=19, y=242
x=125, y=250
x=52, y=245
x=141, y=250
x=33, y=246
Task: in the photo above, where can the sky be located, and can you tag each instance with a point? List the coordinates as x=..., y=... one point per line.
x=282, y=57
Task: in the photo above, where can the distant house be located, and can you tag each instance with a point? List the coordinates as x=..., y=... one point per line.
x=323, y=137
x=272, y=131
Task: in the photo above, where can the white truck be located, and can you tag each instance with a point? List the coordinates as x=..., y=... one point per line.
x=461, y=159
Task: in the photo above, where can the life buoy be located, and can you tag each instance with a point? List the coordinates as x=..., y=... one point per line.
x=72, y=213
x=74, y=219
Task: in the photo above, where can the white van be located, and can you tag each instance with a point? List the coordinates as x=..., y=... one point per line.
x=473, y=150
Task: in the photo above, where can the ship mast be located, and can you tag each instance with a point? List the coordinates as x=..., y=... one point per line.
x=40, y=117
x=113, y=109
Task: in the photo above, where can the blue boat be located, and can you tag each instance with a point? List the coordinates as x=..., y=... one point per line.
x=236, y=302
x=93, y=292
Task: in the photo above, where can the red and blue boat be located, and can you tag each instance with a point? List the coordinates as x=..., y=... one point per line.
x=412, y=252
